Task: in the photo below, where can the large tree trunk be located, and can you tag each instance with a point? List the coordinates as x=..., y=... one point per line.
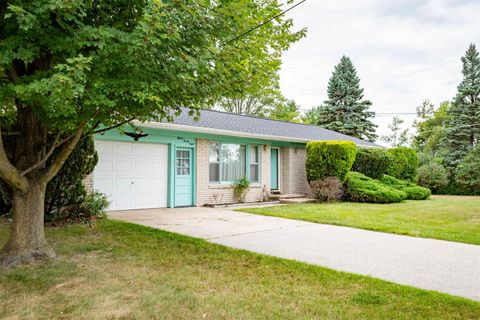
x=27, y=239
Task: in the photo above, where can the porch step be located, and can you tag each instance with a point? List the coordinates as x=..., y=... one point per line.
x=286, y=196
x=296, y=200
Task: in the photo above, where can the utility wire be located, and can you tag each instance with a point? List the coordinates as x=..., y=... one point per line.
x=262, y=24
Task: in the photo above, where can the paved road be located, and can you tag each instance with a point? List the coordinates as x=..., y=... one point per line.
x=424, y=263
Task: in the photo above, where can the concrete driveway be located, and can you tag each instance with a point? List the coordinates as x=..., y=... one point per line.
x=424, y=263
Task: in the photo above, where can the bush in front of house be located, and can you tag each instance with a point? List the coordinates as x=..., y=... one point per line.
x=328, y=189
x=360, y=188
x=240, y=188
x=404, y=162
x=66, y=199
x=372, y=162
x=329, y=159
x=413, y=191
x=434, y=176
x=468, y=172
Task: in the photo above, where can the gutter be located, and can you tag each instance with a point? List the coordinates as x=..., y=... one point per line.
x=186, y=128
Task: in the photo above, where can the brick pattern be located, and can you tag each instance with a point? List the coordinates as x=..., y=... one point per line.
x=88, y=182
x=207, y=191
x=293, y=175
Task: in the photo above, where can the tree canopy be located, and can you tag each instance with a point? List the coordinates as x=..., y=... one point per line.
x=462, y=130
x=67, y=67
x=345, y=110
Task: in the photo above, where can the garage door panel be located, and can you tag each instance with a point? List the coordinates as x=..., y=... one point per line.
x=142, y=166
x=123, y=149
x=135, y=175
x=105, y=149
x=105, y=183
x=124, y=166
x=106, y=165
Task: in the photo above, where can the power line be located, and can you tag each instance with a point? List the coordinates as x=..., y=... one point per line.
x=449, y=128
x=263, y=23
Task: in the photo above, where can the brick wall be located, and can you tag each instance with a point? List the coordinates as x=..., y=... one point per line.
x=293, y=178
x=206, y=190
x=88, y=182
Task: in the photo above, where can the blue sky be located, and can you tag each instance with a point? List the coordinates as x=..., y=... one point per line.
x=404, y=51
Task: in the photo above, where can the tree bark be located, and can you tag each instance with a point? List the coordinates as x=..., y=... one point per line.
x=27, y=241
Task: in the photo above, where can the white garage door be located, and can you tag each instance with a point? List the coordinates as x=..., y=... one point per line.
x=132, y=175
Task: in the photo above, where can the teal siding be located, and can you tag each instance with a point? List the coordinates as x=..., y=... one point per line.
x=181, y=191
x=174, y=141
x=274, y=169
x=184, y=177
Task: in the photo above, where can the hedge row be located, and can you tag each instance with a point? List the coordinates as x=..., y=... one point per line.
x=413, y=192
x=404, y=162
x=373, y=163
x=329, y=159
x=360, y=188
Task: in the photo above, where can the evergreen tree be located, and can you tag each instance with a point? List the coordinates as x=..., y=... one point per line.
x=286, y=110
x=463, y=125
x=345, y=110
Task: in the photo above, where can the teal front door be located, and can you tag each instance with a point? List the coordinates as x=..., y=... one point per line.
x=183, y=178
x=274, y=169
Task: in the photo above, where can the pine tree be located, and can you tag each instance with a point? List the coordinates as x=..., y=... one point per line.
x=345, y=110
x=462, y=131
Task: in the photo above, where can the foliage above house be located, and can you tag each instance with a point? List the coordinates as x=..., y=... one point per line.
x=346, y=110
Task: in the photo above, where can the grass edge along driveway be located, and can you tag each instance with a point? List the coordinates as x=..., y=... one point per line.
x=452, y=218
x=121, y=270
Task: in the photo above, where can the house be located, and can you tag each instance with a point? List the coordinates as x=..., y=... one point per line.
x=189, y=163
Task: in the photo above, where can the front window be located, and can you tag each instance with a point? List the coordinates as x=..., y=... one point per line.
x=254, y=163
x=227, y=162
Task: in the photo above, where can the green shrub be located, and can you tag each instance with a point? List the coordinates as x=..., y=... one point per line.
x=240, y=188
x=468, y=172
x=372, y=162
x=433, y=176
x=65, y=192
x=360, y=188
x=329, y=159
x=92, y=206
x=413, y=192
x=404, y=162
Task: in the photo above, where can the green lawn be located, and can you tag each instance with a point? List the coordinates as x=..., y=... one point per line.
x=119, y=270
x=453, y=218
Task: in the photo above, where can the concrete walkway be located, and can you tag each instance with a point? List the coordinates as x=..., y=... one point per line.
x=424, y=263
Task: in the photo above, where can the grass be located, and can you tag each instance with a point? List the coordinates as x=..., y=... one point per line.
x=453, y=218
x=119, y=270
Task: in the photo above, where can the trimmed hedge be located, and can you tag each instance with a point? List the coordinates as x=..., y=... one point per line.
x=404, y=162
x=360, y=188
x=329, y=159
x=413, y=192
x=372, y=162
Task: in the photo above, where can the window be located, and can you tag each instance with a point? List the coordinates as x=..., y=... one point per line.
x=183, y=162
x=227, y=162
x=254, y=163
x=214, y=161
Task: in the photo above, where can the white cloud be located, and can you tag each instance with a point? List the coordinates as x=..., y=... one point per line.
x=404, y=50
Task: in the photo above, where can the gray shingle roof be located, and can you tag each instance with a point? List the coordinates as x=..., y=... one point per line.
x=259, y=126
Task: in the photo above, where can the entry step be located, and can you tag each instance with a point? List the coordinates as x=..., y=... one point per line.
x=286, y=196
x=297, y=200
